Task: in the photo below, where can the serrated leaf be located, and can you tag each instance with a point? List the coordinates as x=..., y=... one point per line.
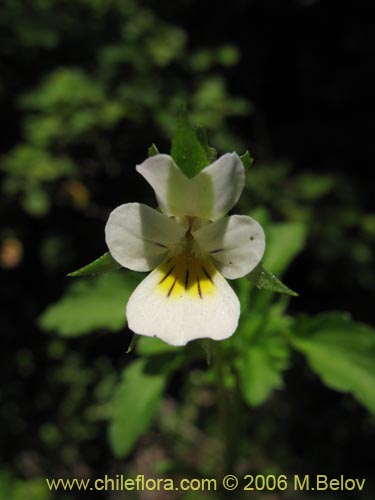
x=186, y=150
x=153, y=150
x=103, y=264
x=341, y=352
x=247, y=160
x=263, y=279
x=211, y=152
x=134, y=404
x=91, y=304
x=260, y=368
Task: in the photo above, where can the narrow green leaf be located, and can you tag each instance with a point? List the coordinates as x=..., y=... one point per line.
x=341, y=352
x=247, y=160
x=103, y=264
x=153, y=150
x=134, y=405
x=90, y=305
x=211, y=152
x=186, y=150
x=262, y=278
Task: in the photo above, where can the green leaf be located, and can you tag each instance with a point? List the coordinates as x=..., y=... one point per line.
x=261, y=367
x=341, y=352
x=103, y=264
x=247, y=160
x=153, y=150
x=152, y=346
x=90, y=305
x=14, y=488
x=201, y=134
x=284, y=241
x=262, y=278
x=134, y=404
x=186, y=150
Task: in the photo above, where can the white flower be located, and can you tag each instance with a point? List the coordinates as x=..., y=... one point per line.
x=191, y=248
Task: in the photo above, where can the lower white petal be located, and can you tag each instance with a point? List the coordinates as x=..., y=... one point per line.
x=138, y=236
x=182, y=300
x=236, y=244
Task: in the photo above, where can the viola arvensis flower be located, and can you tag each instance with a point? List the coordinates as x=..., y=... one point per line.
x=191, y=247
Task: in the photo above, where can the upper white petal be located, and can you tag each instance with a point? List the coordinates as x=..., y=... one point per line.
x=173, y=190
x=184, y=316
x=227, y=175
x=138, y=236
x=208, y=195
x=236, y=244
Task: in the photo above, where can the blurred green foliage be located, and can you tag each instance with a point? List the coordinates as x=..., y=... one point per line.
x=351, y=368
x=91, y=305
x=15, y=489
x=137, y=75
x=340, y=231
x=132, y=414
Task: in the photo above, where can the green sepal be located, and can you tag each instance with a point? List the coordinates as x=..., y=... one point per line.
x=201, y=134
x=132, y=343
x=103, y=264
x=153, y=150
x=262, y=278
x=247, y=160
x=187, y=151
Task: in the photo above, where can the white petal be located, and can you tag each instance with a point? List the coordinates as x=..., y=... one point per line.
x=176, y=194
x=227, y=175
x=177, y=305
x=236, y=244
x=138, y=236
x=208, y=195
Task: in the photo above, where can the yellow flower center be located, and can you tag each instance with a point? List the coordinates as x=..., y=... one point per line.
x=187, y=274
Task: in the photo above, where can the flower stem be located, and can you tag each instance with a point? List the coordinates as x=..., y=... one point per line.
x=227, y=426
